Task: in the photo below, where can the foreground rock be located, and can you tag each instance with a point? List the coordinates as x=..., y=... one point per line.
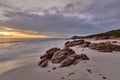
x=43, y=62
x=64, y=56
x=49, y=53
x=82, y=57
x=61, y=55
x=70, y=59
x=105, y=47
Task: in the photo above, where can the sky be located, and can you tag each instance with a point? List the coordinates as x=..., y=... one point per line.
x=58, y=18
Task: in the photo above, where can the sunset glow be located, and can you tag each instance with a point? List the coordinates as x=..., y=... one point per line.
x=7, y=32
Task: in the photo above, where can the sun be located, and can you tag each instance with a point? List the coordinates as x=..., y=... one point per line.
x=5, y=33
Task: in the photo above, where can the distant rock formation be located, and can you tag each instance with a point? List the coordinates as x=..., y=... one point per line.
x=105, y=47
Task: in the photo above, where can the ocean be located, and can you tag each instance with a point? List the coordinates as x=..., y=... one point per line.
x=14, y=49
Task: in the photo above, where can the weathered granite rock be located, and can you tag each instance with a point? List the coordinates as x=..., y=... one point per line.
x=85, y=44
x=68, y=61
x=72, y=58
x=74, y=43
x=82, y=57
x=65, y=57
x=43, y=62
x=50, y=53
x=105, y=47
x=61, y=55
x=114, y=41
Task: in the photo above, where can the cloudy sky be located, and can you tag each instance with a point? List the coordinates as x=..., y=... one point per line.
x=60, y=18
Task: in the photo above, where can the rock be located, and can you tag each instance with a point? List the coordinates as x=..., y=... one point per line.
x=65, y=57
x=74, y=43
x=62, y=78
x=53, y=68
x=72, y=73
x=61, y=55
x=82, y=57
x=116, y=47
x=93, y=46
x=68, y=61
x=104, y=77
x=67, y=43
x=50, y=53
x=69, y=50
x=85, y=44
x=49, y=71
x=43, y=62
x=114, y=41
x=89, y=70
x=105, y=47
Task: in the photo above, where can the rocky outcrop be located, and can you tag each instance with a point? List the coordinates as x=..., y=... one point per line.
x=85, y=44
x=74, y=43
x=81, y=43
x=114, y=41
x=61, y=55
x=83, y=57
x=49, y=53
x=105, y=47
x=43, y=62
x=68, y=61
x=64, y=56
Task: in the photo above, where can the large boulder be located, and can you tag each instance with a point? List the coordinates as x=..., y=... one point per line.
x=61, y=55
x=50, y=53
x=71, y=58
x=68, y=61
x=43, y=63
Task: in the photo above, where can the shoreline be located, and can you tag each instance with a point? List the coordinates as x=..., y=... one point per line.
x=101, y=64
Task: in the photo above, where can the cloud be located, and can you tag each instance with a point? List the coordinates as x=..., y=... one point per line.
x=61, y=18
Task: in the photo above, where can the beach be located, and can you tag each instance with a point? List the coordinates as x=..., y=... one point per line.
x=19, y=61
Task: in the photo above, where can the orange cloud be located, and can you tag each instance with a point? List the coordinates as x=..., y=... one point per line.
x=12, y=33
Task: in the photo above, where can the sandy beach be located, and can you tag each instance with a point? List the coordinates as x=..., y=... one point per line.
x=19, y=62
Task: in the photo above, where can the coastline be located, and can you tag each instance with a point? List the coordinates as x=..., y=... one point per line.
x=102, y=65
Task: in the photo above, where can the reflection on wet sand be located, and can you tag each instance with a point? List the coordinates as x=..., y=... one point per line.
x=10, y=65
x=7, y=44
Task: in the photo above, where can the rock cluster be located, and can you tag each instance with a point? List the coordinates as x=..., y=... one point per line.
x=64, y=56
x=77, y=42
x=104, y=47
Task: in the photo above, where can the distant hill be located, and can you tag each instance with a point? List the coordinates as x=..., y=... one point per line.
x=105, y=35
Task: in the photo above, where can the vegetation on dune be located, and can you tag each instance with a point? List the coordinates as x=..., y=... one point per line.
x=112, y=33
